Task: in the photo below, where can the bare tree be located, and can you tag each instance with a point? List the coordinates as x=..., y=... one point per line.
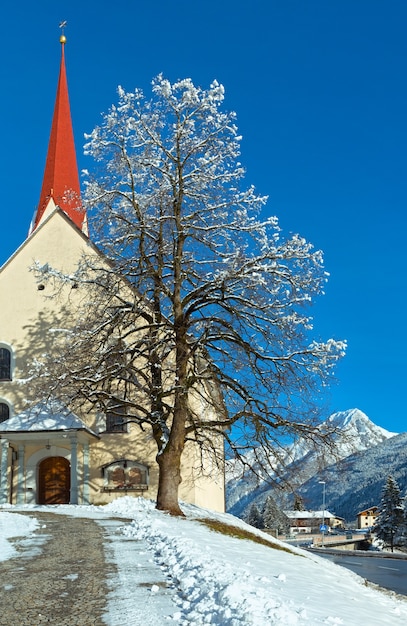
x=215, y=311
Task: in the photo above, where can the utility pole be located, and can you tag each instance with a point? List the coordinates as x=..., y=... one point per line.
x=322, y=482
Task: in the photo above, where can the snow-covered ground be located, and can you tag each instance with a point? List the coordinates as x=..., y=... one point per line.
x=210, y=578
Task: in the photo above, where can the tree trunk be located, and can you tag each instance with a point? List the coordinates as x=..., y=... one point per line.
x=169, y=460
x=169, y=463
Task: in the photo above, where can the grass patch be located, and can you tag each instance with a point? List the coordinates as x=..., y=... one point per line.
x=241, y=533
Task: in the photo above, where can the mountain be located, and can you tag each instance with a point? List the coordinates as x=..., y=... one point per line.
x=300, y=464
x=361, y=432
x=356, y=482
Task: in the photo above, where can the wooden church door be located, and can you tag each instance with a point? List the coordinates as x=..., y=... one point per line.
x=54, y=481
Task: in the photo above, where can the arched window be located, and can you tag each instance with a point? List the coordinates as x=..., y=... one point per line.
x=4, y=412
x=5, y=364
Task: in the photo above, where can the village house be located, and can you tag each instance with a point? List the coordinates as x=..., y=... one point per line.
x=367, y=518
x=311, y=521
x=48, y=454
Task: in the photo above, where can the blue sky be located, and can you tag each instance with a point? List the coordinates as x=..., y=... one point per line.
x=320, y=92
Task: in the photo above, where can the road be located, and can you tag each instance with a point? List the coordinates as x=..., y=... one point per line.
x=386, y=572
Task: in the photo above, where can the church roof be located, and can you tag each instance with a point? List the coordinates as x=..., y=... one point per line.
x=61, y=177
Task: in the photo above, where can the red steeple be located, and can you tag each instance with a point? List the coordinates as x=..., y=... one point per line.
x=61, y=178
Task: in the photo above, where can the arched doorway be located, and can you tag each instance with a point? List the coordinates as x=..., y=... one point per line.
x=54, y=483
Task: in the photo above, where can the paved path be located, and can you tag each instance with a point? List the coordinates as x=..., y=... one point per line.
x=75, y=571
x=59, y=576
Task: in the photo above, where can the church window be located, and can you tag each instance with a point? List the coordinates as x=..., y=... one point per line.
x=4, y=412
x=5, y=364
x=116, y=417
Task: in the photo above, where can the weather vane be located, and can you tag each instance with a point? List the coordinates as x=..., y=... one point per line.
x=62, y=25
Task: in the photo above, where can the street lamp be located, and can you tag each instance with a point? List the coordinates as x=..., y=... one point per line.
x=322, y=482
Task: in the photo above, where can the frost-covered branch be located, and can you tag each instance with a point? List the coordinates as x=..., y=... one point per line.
x=200, y=319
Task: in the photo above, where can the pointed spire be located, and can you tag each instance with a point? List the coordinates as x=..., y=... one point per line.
x=61, y=178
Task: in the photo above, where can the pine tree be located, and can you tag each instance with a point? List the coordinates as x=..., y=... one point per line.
x=298, y=503
x=254, y=517
x=274, y=517
x=390, y=521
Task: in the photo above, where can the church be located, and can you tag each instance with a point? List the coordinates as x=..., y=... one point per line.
x=48, y=454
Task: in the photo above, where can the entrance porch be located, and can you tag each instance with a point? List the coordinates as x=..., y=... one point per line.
x=44, y=458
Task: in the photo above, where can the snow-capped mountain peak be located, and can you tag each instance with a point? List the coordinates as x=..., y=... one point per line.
x=358, y=431
x=354, y=433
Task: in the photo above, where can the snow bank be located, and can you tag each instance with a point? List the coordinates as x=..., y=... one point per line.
x=13, y=525
x=227, y=581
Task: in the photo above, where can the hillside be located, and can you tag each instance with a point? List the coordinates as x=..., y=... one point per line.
x=209, y=568
x=356, y=482
x=305, y=466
